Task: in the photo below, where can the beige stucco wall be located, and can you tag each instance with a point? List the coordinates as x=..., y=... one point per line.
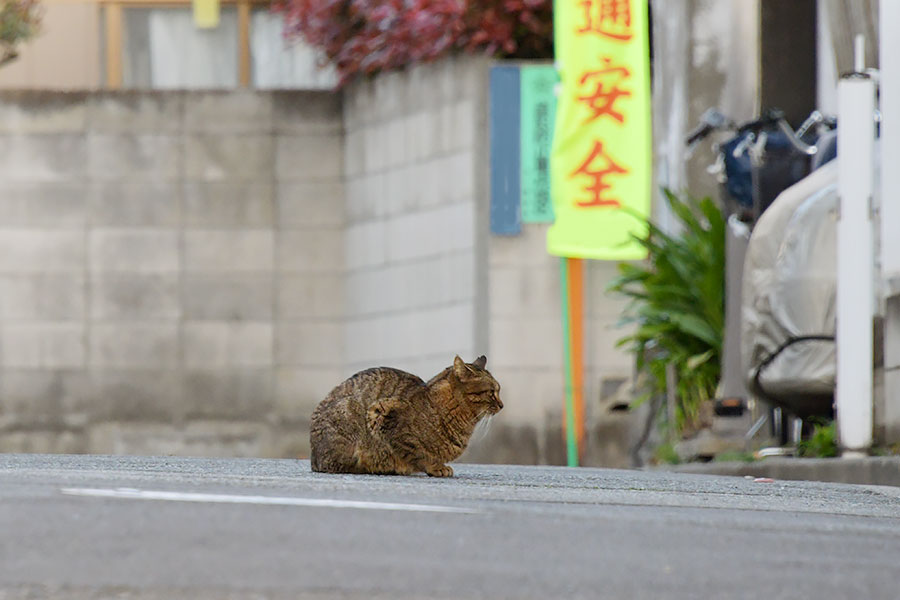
x=66, y=53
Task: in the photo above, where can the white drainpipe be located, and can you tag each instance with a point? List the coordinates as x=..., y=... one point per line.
x=855, y=248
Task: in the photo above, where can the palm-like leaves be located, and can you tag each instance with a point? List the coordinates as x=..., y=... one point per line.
x=677, y=304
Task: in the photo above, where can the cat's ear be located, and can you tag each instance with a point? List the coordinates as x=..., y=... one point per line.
x=480, y=362
x=459, y=367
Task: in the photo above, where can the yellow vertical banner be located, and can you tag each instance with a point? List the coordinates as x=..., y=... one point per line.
x=600, y=164
x=206, y=13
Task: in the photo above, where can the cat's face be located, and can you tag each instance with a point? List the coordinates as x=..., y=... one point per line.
x=478, y=384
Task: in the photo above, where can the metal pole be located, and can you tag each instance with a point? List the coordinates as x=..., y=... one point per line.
x=671, y=400
x=855, y=260
x=576, y=339
x=737, y=238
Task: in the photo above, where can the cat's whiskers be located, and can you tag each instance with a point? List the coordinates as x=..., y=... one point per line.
x=483, y=426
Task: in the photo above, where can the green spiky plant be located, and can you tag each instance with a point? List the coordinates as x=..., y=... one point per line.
x=677, y=306
x=822, y=443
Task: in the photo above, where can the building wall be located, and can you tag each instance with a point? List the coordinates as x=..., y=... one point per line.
x=526, y=341
x=70, y=50
x=170, y=270
x=66, y=53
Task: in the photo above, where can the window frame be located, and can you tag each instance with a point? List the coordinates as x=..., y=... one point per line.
x=113, y=24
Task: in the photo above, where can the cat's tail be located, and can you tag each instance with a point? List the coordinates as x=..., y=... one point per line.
x=322, y=457
x=314, y=440
x=316, y=459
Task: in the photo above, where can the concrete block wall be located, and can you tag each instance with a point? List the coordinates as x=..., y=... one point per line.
x=170, y=270
x=412, y=241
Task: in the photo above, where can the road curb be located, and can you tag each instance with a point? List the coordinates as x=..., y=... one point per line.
x=876, y=470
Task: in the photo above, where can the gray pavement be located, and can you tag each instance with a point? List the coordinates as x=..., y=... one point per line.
x=148, y=528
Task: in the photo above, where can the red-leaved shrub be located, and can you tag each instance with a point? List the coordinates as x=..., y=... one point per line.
x=368, y=36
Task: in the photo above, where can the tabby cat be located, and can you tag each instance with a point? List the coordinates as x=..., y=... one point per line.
x=387, y=421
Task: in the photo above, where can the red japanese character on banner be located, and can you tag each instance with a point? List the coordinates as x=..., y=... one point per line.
x=603, y=100
x=599, y=185
x=609, y=18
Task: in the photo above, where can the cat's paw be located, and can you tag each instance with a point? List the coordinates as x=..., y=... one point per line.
x=440, y=471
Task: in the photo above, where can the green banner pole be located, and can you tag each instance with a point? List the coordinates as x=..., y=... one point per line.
x=571, y=433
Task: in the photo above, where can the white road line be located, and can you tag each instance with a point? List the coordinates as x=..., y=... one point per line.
x=133, y=494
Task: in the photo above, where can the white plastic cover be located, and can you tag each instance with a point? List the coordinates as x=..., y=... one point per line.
x=789, y=291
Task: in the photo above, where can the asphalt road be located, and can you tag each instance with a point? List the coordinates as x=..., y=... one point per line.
x=148, y=528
